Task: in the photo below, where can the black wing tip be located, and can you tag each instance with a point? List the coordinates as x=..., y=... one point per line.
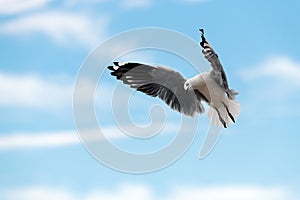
x=111, y=68
x=203, y=40
x=201, y=31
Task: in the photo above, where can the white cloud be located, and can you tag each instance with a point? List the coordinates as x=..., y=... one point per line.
x=63, y=28
x=34, y=92
x=281, y=68
x=38, y=140
x=231, y=192
x=36, y=193
x=27, y=140
x=274, y=83
x=124, y=192
x=17, y=6
x=71, y=3
x=137, y=192
x=131, y=4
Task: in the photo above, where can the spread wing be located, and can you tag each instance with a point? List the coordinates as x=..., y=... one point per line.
x=217, y=71
x=161, y=82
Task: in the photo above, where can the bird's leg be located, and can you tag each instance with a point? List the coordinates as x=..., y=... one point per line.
x=220, y=117
x=230, y=115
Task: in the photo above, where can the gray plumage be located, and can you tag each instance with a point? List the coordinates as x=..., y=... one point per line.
x=185, y=95
x=162, y=82
x=217, y=71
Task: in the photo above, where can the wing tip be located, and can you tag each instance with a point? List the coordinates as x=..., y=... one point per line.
x=201, y=31
x=115, y=67
x=203, y=40
x=111, y=68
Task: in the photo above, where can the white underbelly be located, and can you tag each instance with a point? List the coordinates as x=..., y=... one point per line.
x=212, y=90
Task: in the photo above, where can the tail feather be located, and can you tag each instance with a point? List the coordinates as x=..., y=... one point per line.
x=214, y=118
x=233, y=108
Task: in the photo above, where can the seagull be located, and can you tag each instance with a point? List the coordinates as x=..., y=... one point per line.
x=185, y=95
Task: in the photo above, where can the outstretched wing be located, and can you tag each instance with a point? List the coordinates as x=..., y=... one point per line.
x=161, y=82
x=217, y=71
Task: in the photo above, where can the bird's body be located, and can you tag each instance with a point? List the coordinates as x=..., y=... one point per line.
x=217, y=98
x=184, y=95
x=200, y=82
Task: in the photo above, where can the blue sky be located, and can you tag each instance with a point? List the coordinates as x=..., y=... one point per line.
x=44, y=43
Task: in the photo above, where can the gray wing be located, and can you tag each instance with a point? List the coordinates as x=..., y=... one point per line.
x=217, y=71
x=161, y=82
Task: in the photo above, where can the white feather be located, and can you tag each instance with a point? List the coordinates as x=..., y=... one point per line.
x=233, y=107
x=116, y=67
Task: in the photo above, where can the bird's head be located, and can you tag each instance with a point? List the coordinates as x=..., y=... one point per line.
x=187, y=86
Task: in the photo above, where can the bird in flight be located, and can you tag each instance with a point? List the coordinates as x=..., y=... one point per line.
x=185, y=95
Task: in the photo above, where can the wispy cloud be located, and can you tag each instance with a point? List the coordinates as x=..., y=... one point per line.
x=40, y=140
x=28, y=140
x=34, y=91
x=63, y=28
x=232, y=192
x=280, y=67
x=10, y=7
x=123, y=192
x=36, y=193
x=270, y=87
x=72, y=3
x=137, y=192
